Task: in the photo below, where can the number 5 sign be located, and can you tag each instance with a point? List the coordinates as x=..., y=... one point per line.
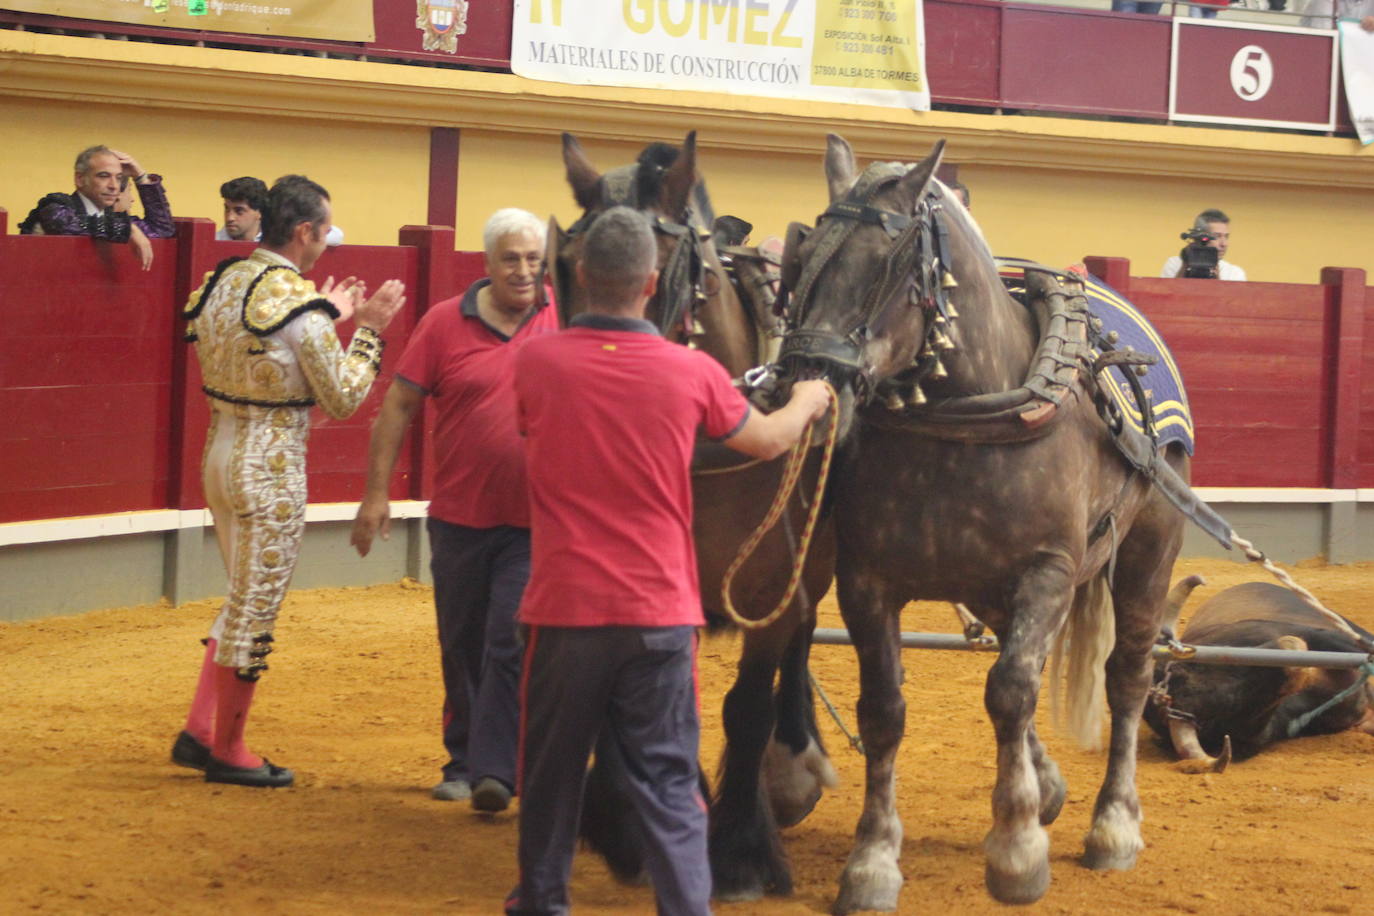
x=1241, y=73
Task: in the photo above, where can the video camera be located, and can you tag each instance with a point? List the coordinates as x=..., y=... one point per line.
x=1198, y=256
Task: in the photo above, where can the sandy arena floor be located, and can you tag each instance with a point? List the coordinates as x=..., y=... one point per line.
x=93, y=819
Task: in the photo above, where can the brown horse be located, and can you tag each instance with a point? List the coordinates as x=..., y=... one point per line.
x=774, y=766
x=966, y=476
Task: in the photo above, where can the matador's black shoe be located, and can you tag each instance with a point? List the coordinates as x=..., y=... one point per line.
x=267, y=776
x=189, y=752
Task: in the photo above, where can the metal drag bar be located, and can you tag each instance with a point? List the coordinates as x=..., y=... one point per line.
x=1206, y=655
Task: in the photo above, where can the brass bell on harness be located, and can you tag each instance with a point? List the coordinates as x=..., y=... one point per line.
x=893, y=401
x=693, y=337
x=942, y=342
x=938, y=373
x=947, y=281
x=953, y=312
x=917, y=398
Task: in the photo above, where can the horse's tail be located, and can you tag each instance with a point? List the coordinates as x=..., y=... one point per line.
x=1080, y=656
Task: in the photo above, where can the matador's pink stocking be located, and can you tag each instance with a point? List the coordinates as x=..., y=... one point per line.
x=231, y=715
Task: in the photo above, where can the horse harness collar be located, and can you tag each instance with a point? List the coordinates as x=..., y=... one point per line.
x=917, y=262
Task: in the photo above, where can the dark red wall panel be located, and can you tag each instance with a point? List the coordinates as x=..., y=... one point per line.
x=963, y=50
x=85, y=377
x=1251, y=355
x=1068, y=59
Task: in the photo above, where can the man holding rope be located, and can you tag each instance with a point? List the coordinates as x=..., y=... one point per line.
x=610, y=411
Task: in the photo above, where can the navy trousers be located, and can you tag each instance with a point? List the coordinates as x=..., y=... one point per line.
x=479, y=577
x=639, y=684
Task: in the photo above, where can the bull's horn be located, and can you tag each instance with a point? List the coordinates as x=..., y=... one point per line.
x=1173, y=605
x=1224, y=758
x=1192, y=758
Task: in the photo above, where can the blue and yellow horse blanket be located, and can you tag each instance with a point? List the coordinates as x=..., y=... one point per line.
x=1162, y=382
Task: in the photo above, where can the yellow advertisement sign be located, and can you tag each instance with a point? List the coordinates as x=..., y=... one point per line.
x=336, y=20
x=867, y=44
x=867, y=52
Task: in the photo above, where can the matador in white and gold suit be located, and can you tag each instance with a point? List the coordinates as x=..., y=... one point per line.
x=268, y=352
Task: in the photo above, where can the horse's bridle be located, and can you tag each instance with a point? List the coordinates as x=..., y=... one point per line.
x=681, y=279
x=917, y=263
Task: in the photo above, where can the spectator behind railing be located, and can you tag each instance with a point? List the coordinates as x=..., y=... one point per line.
x=1318, y=14
x=98, y=207
x=1137, y=6
x=1211, y=229
x=244, y=199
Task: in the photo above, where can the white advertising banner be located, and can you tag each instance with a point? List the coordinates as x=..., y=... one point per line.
x=1357, y=66
x=869, y=52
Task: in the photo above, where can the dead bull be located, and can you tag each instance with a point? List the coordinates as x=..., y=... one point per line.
x=1206, y=711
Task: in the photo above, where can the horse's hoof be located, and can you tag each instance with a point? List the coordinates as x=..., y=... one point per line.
x=743, y=893
x=796, y=782
x=1023, y=888
x=1113, y=842
x=1109, y=859
x=868, y=889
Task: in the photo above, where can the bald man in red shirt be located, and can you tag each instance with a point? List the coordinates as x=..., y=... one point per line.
x=610, y=411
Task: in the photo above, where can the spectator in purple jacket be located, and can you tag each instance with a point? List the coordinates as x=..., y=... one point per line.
x=99, y=208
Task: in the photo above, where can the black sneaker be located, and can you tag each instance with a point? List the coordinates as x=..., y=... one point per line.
x=490, y=795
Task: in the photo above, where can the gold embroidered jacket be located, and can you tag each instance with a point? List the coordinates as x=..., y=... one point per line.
x=265, y=338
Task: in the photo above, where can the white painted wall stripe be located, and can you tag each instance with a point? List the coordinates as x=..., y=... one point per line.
x=47, y=530
x=42, y=531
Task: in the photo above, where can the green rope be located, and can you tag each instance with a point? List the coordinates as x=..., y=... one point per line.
x=1296, y=726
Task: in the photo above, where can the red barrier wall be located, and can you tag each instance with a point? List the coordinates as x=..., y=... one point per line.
x=1276, y=374
x=102, y=399
x=85, y=377
x=103, y=411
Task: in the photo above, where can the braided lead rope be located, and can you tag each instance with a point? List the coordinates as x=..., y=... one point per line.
x=1256, y=555
x=791, y=475
x=711, y=472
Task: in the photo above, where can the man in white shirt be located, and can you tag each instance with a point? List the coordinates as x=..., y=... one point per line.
x=1217, y=227
x=243, y=201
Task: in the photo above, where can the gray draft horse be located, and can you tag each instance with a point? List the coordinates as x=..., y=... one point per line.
x=967, y=477
x=774, y=766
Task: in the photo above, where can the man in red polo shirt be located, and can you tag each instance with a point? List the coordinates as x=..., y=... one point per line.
x=460, y=354
x=610, y=411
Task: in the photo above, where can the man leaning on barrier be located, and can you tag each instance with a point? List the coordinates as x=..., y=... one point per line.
x=98, y=207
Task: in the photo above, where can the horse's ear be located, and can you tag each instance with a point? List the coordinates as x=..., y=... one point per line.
x=839, y=165
x=915, y=181
x=582, y=175
x=678, y=181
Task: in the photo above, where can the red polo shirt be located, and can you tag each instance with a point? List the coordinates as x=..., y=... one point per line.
x=467, y=367
x=610, y=412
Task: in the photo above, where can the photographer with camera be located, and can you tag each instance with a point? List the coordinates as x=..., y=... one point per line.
x=1203, y=256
